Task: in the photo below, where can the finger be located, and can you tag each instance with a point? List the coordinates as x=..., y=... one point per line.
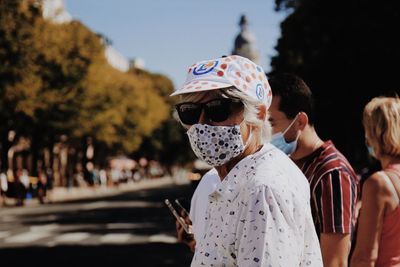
x=178, y=225
x=183, y=214
x=188, y=221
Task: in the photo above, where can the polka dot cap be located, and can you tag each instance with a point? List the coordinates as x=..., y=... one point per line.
x=225, y=72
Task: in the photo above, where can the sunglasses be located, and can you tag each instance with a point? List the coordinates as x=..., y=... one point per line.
x=216, y=110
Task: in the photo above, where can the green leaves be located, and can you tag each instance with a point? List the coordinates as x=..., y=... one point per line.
x=54, y=78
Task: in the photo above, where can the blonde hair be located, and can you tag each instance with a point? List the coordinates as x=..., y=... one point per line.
x=251, y=110
x=381, y=120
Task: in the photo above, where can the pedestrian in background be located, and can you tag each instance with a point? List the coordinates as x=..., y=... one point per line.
x=259, y=215
x=333, y=182
x=378, y=238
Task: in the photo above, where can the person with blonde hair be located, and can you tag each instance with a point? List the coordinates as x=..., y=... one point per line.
x=259, y=214
x=378, y=237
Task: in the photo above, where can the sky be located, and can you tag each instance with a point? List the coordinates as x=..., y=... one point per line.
x=171, y=35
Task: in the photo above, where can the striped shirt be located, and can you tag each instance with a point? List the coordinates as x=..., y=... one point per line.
x=333, y=188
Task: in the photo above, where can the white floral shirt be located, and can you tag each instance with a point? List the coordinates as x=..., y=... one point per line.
x=260, y=216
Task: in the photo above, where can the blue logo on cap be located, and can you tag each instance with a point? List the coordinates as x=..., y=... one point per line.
x=205, y=68
x=260, y=91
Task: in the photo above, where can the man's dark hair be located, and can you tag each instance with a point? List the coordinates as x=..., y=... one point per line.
x=295, y=95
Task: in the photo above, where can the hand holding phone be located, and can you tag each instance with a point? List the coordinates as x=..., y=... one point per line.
x=186, y=227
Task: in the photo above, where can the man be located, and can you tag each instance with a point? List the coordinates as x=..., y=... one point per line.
x=333, y=183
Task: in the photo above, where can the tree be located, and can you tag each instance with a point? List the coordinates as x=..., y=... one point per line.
x=17, y=22
x=119, y=108
x=44, y=65
x=56, y=81
x=170, y=136
x=345, y=51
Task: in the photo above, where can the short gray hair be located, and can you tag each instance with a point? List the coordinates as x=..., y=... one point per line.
x=251, y=111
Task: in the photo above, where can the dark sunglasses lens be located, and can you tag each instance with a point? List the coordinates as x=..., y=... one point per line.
x=189, y=113
x=218, y=110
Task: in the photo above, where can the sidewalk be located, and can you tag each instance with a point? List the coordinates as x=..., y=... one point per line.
x=61, y=194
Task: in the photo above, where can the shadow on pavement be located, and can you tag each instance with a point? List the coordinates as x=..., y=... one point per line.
x=146, y=255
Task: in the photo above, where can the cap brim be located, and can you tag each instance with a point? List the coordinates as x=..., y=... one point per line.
x=190, y=88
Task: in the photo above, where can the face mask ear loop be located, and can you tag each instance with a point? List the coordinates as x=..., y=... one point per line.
x=290, y=125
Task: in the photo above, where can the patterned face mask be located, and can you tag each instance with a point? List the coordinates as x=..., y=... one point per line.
x=215, y=145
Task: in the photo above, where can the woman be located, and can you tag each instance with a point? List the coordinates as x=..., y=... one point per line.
x=378, y=237
x=259, y=215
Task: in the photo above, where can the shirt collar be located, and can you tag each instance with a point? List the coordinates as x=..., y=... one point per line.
x=244, y=170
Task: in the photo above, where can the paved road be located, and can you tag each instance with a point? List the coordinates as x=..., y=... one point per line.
x=128, y=229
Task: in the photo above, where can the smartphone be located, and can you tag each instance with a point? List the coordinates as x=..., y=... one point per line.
x=181, y=207
x=186, y=227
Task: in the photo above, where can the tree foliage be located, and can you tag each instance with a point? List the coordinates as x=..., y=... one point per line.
x=168, y=143
x=347, y=52
x=44, y=65
x=119, y=108
x=55, y=79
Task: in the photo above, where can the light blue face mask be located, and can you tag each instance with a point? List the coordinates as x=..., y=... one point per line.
x=371, y=151
x=279, y=141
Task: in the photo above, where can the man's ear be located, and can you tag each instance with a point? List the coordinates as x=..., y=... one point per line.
x=262, y=112
x=302, y=120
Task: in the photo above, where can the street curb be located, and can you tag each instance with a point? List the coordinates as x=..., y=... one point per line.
x=63, y=194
